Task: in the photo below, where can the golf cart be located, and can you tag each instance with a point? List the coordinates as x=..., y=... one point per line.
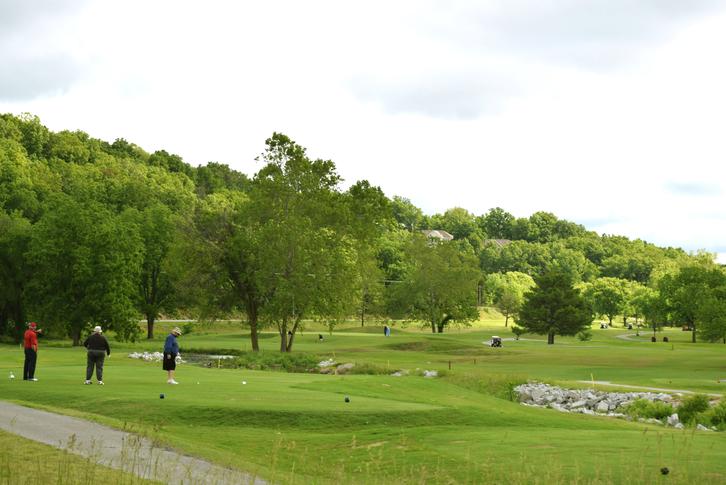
x=495, y=342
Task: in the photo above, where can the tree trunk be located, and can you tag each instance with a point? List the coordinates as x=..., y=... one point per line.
x=283, y=337
x=362, y=314
x=150, y=319
x=433, y=327
x=550, y=338
x=610, y=319
x=254, y=338
x=76, y=336
x=693, y=334
x=18, y=315
x=440, y=327
x=252, y=318
x=506, y=320
x=293, y=332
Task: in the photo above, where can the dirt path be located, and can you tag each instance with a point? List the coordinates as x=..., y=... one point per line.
x=114, y=448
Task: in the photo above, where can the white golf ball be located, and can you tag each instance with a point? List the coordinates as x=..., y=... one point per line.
x=244, y=382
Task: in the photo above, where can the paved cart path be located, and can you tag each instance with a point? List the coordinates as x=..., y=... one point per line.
x=115, y=448
x=644, y=388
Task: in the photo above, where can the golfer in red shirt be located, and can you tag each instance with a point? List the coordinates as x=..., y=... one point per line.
x=30, y=342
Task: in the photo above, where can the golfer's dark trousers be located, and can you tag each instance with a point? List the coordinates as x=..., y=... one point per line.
x=95, y=358
x=31, y=357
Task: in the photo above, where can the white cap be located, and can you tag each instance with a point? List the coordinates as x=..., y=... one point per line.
x=97, y=329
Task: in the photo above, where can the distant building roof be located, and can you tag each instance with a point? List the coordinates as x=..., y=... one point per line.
x=437, y=234
x=498, y=242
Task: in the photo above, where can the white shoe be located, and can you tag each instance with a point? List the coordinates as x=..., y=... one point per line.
x=88, y=382
x=172, y=381
x=34, y=379
x=100, y=383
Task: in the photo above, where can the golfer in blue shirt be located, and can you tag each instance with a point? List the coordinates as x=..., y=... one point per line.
x=171, y=350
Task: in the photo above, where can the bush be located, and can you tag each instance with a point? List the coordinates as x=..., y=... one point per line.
x=370, y=369
x=715, y=416
x=584, y=335
x=287, y=362
x=518, y=331
x=691, y=406
x=643, y=408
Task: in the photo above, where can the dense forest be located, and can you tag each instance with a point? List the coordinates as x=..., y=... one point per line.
x=93, y=232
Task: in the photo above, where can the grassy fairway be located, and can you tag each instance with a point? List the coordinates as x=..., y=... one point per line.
x=296, y=428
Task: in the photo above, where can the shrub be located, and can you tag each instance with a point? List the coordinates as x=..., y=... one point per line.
x=715, y=416
x=691, y=406
x=287, y=362
x=518, y=331
x=584, y=335
x=643, y=408
x=370, y=369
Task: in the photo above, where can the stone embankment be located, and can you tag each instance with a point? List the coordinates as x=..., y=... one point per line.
x=584, y=401
x=600, y=403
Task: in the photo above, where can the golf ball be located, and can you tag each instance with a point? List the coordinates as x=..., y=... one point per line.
x=244, y=382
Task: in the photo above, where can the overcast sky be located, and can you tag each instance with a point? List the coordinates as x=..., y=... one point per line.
x=610, y=113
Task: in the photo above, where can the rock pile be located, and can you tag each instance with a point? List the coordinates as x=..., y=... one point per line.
x=584, y=401
x=331, y=367
x=153, y=357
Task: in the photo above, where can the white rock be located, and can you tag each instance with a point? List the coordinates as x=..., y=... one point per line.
x=673, y=419
x=602, y=407
x=701, y=427
x=678, y=426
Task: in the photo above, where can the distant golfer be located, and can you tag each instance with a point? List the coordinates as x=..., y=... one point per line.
x=98, y=349
x=171, y=350
x=30, y=344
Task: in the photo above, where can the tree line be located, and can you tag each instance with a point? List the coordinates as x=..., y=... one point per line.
x=93, y=232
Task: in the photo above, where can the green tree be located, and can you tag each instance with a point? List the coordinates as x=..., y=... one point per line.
x=638, y=298
x=14, y=238
x=497, y=223
x=460, y=223
x=214, y=176
x=607, y=296
x=554, y=307
x=712, y=315
x=157, y=226
x=508, y=292
x=222, y=267
x=439, y=287
x=406, y=214
x=369, y=216
x=687, y=292
x=85, y=263
x=308, y=264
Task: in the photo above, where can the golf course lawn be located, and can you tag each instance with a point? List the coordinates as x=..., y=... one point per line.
x=457, y=428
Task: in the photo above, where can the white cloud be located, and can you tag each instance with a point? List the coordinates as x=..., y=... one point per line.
x=590, y=110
